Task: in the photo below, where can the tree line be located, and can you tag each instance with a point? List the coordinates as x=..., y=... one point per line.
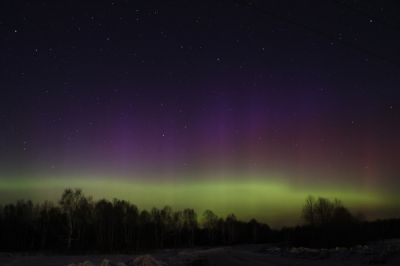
x=77, y=223
x=330, y=224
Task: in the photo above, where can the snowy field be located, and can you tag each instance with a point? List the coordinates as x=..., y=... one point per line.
x=385, y=253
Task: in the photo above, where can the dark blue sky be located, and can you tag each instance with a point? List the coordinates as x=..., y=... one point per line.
x=149, y=85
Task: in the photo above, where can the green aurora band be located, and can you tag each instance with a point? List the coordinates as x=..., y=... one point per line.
x=276, y=202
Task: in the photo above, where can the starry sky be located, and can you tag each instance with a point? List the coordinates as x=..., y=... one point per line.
x=237, y=106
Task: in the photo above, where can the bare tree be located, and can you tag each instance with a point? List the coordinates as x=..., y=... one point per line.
x=177, y=218
x=308, y=212
x=210, y=223
x=70, y=202
x=231, y=222
x=190, y=224
x=324, y=210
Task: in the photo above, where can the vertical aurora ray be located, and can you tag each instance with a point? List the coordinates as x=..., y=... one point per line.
x=235, y=112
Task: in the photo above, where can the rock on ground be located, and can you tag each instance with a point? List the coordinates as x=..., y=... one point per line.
x=145, y=260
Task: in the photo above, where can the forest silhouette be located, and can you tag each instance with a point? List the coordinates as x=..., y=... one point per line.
x=79, y=224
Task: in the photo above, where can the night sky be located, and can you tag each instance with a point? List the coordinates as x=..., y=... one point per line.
x=236, y=106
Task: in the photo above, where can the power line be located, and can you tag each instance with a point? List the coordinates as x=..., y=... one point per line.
x=325, y=35
x=344, y=4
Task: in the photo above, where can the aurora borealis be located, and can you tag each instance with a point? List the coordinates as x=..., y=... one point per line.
x=212, y=105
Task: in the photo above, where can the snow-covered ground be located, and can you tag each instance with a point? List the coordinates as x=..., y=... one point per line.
x=387, y=253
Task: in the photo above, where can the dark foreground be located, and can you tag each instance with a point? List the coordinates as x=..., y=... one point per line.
x=386, y=252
